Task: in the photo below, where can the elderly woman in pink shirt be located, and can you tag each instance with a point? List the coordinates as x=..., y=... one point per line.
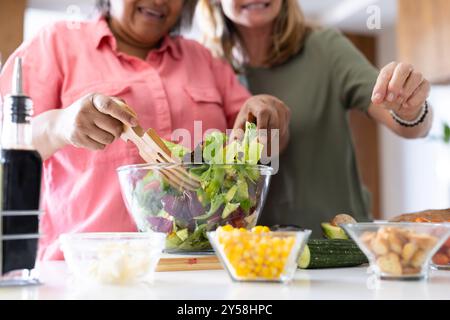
x=71, y=75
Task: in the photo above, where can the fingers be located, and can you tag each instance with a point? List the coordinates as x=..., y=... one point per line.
x=82, y=140
x=88, y=135
x=237, y=134
x=91, y=144
x=121, y=102
x=391, y=83
x=397, y=83
x=268, y=112
x=109, y=124
x=263, y=118
x=239, y=125
x=95, y=121
x=419, y=96
x=412, y=84
x=264, y=111
x=101, y=136
x=380, y=91
x=240, y=121
x=401, y=89
x=114, y=108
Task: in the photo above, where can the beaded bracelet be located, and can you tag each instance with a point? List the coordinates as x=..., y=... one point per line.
x=414, y=123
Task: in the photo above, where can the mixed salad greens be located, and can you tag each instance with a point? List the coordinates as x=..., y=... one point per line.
x=230, y=183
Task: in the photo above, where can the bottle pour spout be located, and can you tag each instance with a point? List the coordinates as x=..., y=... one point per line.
x=17, y=84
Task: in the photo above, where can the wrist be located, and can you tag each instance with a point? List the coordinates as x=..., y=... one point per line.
x=46, y=139
x=411, y=120
x=409, y=116
x=53, y=130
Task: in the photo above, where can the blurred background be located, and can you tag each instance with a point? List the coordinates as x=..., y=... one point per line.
x=403, y=176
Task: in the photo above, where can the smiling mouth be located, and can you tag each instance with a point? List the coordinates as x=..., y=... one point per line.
x=256, y=6
x=151, y=13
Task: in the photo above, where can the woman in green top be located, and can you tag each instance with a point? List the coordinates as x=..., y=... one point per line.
x=320, y=75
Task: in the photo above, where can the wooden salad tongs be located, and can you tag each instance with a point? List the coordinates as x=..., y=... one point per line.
x=154, y=151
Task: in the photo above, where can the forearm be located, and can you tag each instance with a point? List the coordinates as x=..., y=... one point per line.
x=46, y=137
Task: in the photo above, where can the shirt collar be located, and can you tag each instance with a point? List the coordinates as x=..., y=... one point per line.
x=170, y=45
x=104, y=35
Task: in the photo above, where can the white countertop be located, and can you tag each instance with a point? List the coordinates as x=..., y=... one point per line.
x=351, y=283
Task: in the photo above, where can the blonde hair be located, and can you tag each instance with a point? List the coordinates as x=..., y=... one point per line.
x=221, y=36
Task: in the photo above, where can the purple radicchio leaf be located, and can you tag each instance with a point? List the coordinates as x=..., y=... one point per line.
x=194, y=206
x=176, y=207
x=160, y=224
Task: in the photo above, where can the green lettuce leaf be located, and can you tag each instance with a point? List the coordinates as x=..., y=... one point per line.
x=213, y=151
x=177, y=150
x=251, y=148
x=229, y=209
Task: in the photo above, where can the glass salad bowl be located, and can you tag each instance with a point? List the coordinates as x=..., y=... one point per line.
x=259, y=255
x=399, y=251
x=112, y=258
x=231, y=194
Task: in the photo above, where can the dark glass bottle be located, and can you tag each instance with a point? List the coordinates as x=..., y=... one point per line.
x=20, y=180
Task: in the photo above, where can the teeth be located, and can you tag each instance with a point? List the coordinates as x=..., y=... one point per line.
x=256, y=6
x=152, y=12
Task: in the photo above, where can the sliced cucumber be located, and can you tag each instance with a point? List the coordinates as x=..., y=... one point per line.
x=305, y=258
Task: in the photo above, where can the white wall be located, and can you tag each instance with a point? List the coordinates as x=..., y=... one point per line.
x=35, y=19
x=414, y=174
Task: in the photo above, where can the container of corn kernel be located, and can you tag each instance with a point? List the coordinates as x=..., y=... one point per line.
x=258, y=255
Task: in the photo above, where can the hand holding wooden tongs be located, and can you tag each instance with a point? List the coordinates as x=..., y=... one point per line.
x=154, y=151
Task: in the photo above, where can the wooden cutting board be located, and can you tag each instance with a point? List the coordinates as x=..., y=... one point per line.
x=173, y=262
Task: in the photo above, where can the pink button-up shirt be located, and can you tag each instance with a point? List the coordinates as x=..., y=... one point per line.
x=177, y=84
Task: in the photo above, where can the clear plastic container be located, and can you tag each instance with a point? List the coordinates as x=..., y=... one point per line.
x=399, y=251
x=441, y=260
x=113, y=258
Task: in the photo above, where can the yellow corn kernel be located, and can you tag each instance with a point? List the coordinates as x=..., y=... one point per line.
x=265, y=272
x=256, y=253
x=226, y=228
x=277, y=241
x=276, y=264
x=241, y=272
x=260, y=229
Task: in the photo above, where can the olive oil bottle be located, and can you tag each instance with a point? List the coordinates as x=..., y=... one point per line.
x=21, y=168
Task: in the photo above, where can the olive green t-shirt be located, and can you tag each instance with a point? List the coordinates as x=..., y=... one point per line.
x=318, y=175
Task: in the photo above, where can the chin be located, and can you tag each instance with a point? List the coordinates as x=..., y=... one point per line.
x=149, y=36
x=259, y=22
